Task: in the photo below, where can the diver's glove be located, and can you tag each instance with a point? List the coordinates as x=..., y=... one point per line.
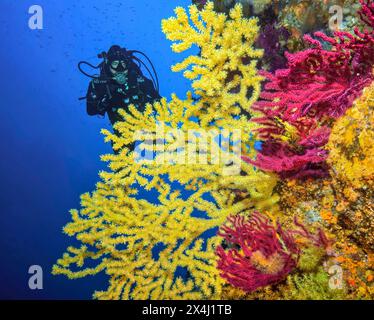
x=103, y=104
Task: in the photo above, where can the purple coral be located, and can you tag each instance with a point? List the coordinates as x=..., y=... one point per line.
x=270, y=40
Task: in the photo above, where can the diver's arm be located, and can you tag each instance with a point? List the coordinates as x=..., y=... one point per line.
x=97, y=101
x=146, y=86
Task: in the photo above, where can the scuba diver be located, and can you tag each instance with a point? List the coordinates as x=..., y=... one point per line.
x=120, y=83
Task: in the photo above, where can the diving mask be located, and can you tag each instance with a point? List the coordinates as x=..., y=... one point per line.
x=118, y=66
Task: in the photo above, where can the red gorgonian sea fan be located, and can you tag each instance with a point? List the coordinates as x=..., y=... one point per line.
x=299, y=103
x=259, y=254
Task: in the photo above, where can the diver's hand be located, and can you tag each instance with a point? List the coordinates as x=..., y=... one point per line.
x=104, y=103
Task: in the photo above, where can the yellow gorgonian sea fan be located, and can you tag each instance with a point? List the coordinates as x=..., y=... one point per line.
x=224, y=72
x=151, y=222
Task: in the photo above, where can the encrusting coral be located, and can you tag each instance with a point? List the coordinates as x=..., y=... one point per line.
x=151, y=223
x=318, y=203
x=303, y=16
x=352, y=167
x=297, y=16
x=341, y=204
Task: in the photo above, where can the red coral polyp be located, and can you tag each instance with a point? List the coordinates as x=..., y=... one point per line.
x=259, y=254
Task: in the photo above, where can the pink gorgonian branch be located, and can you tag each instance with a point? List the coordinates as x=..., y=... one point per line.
x=316, y=88
x=257, y=253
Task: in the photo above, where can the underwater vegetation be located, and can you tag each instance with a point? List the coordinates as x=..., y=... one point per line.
x=299, y=103
x=298, y=17
x=351, y=160
x=145, y=240
x=260, y=253
x=292, y=221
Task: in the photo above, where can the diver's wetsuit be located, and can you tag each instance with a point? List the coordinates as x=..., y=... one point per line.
x=105, y=95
